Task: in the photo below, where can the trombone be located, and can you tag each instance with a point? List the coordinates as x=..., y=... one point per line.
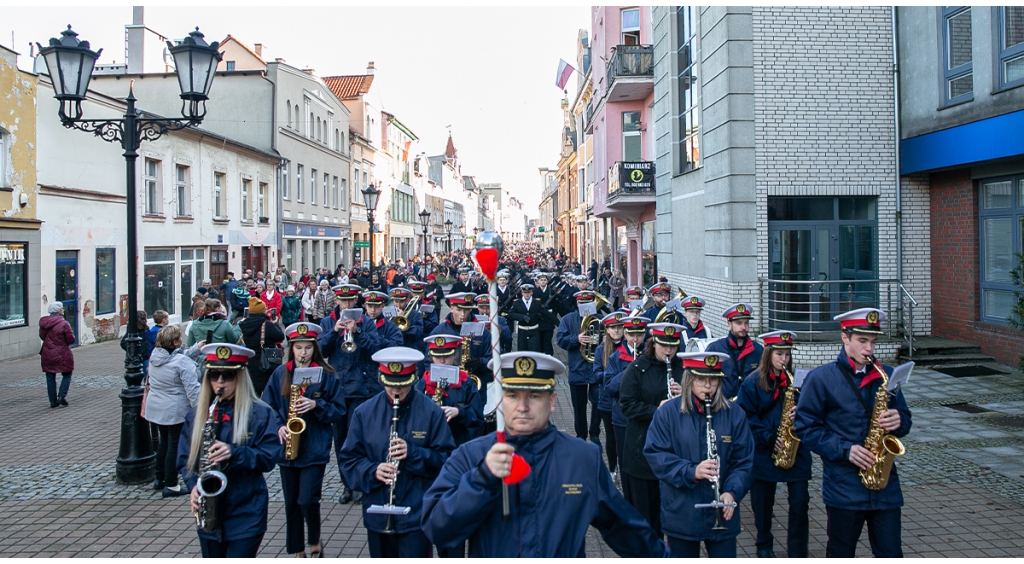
x=402, y=321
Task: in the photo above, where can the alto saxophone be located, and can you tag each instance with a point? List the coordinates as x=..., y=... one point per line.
x=884, y=446
x=294, y=426
x=464, y=358
x=212, y=482
x=785, y=456
x=439, y=390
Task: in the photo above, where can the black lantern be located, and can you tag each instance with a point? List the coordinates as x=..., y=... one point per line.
x=370, y=196
x=195, y=61
x=424, y=219
x=448, y=229
x=69, y=62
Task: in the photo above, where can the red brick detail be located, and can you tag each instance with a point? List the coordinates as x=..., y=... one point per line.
x=956, y=309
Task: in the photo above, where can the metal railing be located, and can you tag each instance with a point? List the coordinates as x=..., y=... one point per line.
x=631, y=60
x=808, y=306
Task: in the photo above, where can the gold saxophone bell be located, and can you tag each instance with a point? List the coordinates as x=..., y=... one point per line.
x=294, y=426
x=884, y=446
x=785, y=457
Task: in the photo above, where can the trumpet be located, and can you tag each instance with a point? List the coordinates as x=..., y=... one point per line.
x=349, y=345
x=402, y=321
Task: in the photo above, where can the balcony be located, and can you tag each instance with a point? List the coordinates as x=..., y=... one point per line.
x=630, y=72
x=630, y=187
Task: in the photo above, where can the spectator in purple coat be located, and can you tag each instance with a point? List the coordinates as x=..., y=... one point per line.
x=55, y=355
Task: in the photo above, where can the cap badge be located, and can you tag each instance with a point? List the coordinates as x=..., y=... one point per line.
x=711, y=361
x=302, y=330
x=223, y=353
x=439, y=342
x=525, y=366
x=670, y=331
x=395, y=367
x=872, y=317
x=741, y=309
x=787, y=337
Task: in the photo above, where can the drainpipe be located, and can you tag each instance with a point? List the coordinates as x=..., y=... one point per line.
x=896, y=146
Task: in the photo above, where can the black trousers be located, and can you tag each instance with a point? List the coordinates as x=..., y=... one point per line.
x=341, y=429
x=581, y=395
x=458, y=552
x=620, y=442
x=167, y=454
x=645, y=497
x=241, y=548
x=528, y=340
x=762, y=503
x=302, y=488
x=845, y=526
x=610, y=445
x=681, y=548
x=506, y=346
x=546, y=341
x=413, y=544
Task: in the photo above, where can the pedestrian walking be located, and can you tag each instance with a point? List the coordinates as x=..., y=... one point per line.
x=291, y=307
x=259, y=332
x=214, y=319
x=173, y=385
x=55, y=355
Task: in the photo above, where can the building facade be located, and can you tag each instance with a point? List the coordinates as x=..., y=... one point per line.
x=961, y=73
x=20, y=248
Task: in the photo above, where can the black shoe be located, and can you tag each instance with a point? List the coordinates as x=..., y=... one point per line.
x=168, y=492
x=765, y=553
x=356, y=496
x=63, y=402
x=346, y=495
x=158, y=484
x=53, y=404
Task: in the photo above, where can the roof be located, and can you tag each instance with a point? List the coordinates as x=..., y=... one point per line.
x=242, y=45
x=349, y=87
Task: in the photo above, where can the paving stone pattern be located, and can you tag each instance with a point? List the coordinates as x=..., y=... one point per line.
x=963, y=475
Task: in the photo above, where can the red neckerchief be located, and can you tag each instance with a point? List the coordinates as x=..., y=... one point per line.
x=624, y=353
x=699, y=327
x=778, y=381
x=869, y=376
x=380, y=322
x=430, y=387
x=748, y=347
x=334, y=314
x=699, y=404
x=426, y=301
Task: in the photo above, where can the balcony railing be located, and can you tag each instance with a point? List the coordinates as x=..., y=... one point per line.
x=631, y=177
x=631, y=61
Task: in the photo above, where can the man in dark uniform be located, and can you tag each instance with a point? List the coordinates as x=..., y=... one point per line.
x=744, y=352
x=526, y=313
x=422, y=445
x=462, y=307
x=567, y=489
x=413, y=336
x=483, y=306
x=833, y=417
x=660, y=293
x=694, y=327
x=461, y=285
x=548, y=298
x=584, y=386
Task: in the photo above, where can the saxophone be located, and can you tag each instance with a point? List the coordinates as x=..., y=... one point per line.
x=294, y=426
x=464, y=358
x=389, y=524
x=785, y=457
x=884, y=446
x=439, y=389
x=212, y=482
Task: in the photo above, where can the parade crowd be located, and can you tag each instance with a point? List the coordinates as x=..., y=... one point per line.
x=281, y=369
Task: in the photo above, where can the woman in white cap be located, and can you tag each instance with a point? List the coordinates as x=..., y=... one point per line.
x=55, y=355
x=244, y=446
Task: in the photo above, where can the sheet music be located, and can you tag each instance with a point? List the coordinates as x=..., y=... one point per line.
x=353, y=313
x=900, y=376
x=636, y=305
x=673, y=304
x=444, y=373
x=426, y=309
x=482, y=318
x=472, y=328
x=588, y=309
x=389, y=312
x=798, y=377
x=300, y=376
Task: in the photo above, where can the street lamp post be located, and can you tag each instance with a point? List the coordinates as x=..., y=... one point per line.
x=70, y=63
x=448, y=229
x=424, y=221
x=462, y=233
x=370, y=196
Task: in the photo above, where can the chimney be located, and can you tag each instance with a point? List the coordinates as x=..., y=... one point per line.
x=137, y=15
x=369, y=68
x=258, y=47
x=309, y=71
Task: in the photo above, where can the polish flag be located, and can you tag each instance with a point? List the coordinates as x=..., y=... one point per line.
x=565, y=70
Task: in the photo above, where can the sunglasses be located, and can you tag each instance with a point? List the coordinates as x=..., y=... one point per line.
x=222, y=376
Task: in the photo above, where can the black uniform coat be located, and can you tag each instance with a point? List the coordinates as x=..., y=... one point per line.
x=644, y=386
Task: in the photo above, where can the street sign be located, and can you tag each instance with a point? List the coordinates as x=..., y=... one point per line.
x=361, y=244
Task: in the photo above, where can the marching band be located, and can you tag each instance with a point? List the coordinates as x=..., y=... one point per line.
x=446, y=438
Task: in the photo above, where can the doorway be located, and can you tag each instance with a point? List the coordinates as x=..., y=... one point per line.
x=67, y=287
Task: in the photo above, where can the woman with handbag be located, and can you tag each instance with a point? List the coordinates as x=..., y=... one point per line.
x=55, y=355
x=172, y=387
x=264, y=337
x=214, y=319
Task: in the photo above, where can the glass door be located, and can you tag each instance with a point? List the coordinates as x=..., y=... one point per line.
x=66, y=287
x=801, y=261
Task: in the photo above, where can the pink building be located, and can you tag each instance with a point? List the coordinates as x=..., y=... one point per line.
x=617, y=118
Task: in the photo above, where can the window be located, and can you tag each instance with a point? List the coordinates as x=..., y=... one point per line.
x=310, y=131
x=631, y=26
x=153, y=196
x=158, y=269
x=230, y=65
x=344, y=193
x=13, y=284
x=246, y=200
x=334, y=190
x=181, y=189
x=1001, y=230
x=689, y=107
x=298, y=119
x=337, y=141
x=218, y=195
x=318, y=129
x=355, y=186
x=312, y=186
x=958, y=66
x=327, y=190
x=5, y=140
x=284, y=180
x=106, y=298
x=288, y=111
x=631, y=144
x=299, y=179
x=262, y=202
x=1011, y=46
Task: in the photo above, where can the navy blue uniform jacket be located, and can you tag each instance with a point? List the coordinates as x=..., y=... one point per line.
x=413, y=336
x=358, y=373
x=617, y=364
x=568, y=489
x=467, y=398
x=676, y=444
x=580, y=371
x=422, y=426
x=244, y=507
x=479, y=349
x=700, y=332
x=830, y=419
x=315, y=441
x=764, y=414
x=741, y=362
x=604, y=401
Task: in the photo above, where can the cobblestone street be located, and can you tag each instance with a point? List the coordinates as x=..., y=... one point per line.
x=963, y=476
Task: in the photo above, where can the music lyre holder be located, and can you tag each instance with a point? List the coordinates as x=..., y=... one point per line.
x=390, y=509
x=714, y=505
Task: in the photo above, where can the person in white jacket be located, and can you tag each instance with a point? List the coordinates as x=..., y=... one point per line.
x=173, y=385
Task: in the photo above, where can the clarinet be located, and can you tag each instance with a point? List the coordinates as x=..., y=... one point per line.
x=389, y=524
x=668, y=376
x=712, y=446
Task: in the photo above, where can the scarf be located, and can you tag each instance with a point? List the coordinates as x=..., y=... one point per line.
x=624, y=353
x=698, y=403
x=430, y=387
x=870, y=375
x=778, y=381
x=748, y=346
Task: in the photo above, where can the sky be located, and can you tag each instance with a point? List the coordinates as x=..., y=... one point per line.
x=489, y=73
